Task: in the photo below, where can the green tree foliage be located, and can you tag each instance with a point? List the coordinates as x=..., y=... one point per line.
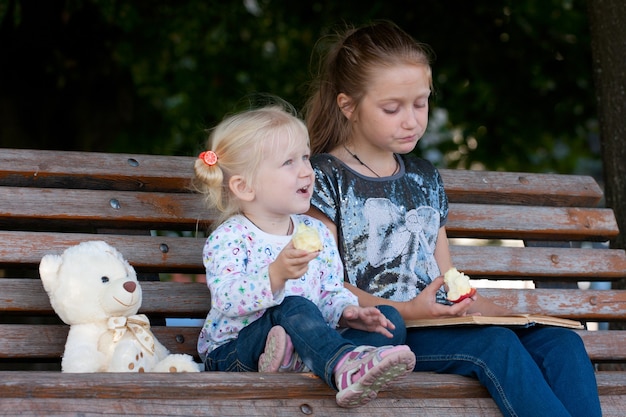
x=513, y=78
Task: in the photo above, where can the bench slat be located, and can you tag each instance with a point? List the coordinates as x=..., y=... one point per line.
x=208, y=406
x=145, y=253
x=490, y=187
x=246, y=385
x=183, y=254
x=17, y=341
x=587, y=305
x=531, y=223
x=64, y=169
x=94, y=170
x=103, y=208
x=161, y=211
x=530, y=263
x=482, y=407
x=460, y=407
x=176, y=299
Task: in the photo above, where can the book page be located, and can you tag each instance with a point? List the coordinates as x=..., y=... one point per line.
x=523, y=320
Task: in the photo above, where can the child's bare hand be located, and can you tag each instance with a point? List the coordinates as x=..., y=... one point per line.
x=425, y=305
x=369, y=319
x=291, y=263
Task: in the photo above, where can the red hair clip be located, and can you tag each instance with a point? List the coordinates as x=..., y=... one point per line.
x=208, y=157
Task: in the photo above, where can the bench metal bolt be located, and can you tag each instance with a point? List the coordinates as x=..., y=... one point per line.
x=115, y=203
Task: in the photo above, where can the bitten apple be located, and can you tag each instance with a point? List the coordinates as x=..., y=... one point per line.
x=459, y=287
x=307, y=238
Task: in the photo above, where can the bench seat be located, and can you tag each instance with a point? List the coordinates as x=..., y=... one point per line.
x=549, y=230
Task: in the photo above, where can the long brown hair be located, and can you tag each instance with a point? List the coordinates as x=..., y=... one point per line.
x=346, y=67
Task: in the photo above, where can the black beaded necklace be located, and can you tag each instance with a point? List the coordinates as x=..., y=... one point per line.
x=366, y=166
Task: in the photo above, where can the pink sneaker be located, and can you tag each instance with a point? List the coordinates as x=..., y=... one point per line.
x=279, y=354
x=366, y=370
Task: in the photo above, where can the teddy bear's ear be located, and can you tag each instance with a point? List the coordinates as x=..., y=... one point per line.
x=49, y=270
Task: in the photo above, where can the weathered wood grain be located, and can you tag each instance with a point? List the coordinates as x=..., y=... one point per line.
x=135, y=172
x=212, y=394
x=176, y=299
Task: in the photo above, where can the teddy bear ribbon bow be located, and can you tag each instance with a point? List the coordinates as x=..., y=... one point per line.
x=138, y=325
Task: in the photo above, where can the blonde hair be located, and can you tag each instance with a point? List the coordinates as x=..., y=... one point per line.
x=239, y=142
x=346, y=67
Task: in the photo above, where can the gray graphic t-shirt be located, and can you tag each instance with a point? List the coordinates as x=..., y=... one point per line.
x=387, y=227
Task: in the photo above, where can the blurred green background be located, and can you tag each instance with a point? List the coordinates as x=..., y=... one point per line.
x=513, y=78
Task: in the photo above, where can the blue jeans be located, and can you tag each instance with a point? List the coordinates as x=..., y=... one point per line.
x=319, y=346
x=542, y=371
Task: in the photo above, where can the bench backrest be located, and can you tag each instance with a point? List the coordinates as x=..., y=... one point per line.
x=142, y=205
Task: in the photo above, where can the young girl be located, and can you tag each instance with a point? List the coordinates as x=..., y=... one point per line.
x=388, y=211
x=269, y=298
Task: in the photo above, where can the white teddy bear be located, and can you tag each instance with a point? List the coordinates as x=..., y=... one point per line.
x=95, y=290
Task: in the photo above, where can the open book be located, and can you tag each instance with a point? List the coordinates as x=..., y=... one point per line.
x=523, y=320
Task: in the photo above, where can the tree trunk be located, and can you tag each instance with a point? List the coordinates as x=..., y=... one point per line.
x=608, y=45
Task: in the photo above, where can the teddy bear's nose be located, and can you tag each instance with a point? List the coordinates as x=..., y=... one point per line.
x=130, y=286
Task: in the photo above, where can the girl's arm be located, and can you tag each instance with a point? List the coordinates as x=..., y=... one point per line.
x=486, y=307
x=423, y=306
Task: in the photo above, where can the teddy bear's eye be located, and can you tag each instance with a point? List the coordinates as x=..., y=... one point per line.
x=104, y=280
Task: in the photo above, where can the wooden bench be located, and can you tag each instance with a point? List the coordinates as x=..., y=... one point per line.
x=141, y=205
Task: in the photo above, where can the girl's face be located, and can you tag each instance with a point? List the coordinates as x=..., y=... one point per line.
x=284, y=182
x=393, y=113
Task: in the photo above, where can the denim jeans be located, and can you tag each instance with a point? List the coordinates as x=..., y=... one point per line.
x=319, y=346
x=542, y=371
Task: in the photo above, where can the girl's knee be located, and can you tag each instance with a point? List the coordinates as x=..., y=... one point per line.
x=296, y=310
x=495, y=341
x=569, y=337
x=565, y=342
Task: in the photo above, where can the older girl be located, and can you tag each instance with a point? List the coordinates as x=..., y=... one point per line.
x=388, y=211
